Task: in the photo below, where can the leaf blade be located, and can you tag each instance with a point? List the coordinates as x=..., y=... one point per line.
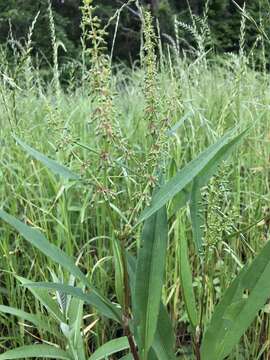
x=89, y=298
x=149, y=277
x=203, y=167
x=37, y=320
x=235, y=312
x=111, y=347
x=164, y=341
x=35, y=351
x=53, y=165
x=37, y=239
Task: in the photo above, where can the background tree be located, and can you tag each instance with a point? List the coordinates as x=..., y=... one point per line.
x=224, y=22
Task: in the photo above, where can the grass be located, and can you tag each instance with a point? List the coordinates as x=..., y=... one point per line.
x=201, y=102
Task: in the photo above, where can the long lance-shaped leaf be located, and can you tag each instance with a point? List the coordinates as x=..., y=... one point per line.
x=203, y=167
x=35, y=351
x=164, y=340
x=149, y=278
x=186, y=283
x=49, y=163
x=111, y=347
x=75, y=315
x=209, y=170
x=39, y=321
x=37, y=239
x=88, y=298
x=238, y=307
x=45, y=299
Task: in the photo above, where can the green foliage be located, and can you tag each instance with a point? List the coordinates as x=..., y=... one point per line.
x=145, y=292
x=237, y=309
x=148, y=314
x=149, y=278
x=36, y=351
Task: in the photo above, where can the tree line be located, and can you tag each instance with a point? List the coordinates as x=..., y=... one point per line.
x=223, y=19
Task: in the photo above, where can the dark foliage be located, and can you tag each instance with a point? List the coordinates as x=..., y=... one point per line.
x=224, y=21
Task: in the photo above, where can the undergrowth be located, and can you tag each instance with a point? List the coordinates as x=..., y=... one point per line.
x=126, y=133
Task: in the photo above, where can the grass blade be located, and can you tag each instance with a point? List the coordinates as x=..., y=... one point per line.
x=76, y=292
x=111, y=347
x=37, y=239
x=46, y=300
x=203, y=166
x=164, y=340
x=75, y=315
x=49, y=163
x=238, y=307
x=37, y=320
x=149, y=277
x=35, y=351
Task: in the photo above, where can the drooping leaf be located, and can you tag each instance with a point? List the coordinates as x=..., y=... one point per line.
x=203, y=177
x=179, y=123
x=37, y=239
x=49, y=163
x=35, y=351
x=186, y=283
x=203, y=166
x=111, y=347
x=45, y=299
x=222, y=154
x=88, y=298
x=238, y=308
x=39, y=321
x=149, y=278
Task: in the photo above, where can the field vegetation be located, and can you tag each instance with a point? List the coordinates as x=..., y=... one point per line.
x=135, y=201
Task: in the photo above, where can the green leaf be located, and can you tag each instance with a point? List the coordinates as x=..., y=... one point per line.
x=179, y=123
x=49, y=163
x=39, y=321
x=75, y=314
x=238, y=308
x=186, y=283
x=222, y=154
x=111, y=347
x=164, y=340
x=88, y=298
x=203, y=166
x=196, y=215
x=149, y=277
x=50, y=304
x=119, y=271
x=35, y=351
x=202, y=178
x=37, y=239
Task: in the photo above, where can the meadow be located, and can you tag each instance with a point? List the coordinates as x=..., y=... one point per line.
x=134, y=200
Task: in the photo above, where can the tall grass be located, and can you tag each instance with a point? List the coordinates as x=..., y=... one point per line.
x=125, y=133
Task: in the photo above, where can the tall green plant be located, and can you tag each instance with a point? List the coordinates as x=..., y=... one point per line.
x=148, y=317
